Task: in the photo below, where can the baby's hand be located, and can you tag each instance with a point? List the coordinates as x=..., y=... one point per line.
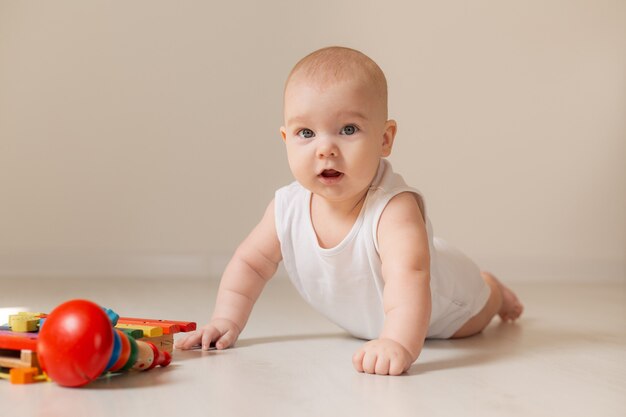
x=382, y=357
x=221, y=331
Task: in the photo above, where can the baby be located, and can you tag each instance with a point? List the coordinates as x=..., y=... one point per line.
x=354, y=238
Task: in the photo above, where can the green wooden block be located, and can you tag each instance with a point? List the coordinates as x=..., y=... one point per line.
x=134, y=333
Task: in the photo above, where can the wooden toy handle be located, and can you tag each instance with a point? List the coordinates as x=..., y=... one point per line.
x=148, y=356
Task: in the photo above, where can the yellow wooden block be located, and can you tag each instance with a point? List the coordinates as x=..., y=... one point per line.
x=43, y=377
x=23, y=323
x=148, y=331
x=31, y=314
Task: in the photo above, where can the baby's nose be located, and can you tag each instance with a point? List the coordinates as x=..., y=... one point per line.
x=327, y=148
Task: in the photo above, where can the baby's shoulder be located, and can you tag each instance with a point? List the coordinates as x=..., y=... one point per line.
x=401, y=202
x=405, y=204
x=289, y=191
x=290, y=199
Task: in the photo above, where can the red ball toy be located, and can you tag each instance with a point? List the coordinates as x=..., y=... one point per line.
x=75, y=343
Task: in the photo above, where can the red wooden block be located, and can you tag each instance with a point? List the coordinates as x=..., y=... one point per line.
x=18, y=341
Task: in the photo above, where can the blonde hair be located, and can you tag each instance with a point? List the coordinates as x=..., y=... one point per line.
x=338, y=63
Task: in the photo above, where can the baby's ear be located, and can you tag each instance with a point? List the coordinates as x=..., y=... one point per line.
x=283, y=133
x=391, y=127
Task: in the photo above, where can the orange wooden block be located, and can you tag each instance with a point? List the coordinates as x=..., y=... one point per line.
x=23, y=375
x=167, y=327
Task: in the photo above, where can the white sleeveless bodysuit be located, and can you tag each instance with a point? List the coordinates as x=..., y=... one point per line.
x=345, y=283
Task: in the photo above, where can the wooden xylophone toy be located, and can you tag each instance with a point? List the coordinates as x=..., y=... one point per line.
x=80, y=341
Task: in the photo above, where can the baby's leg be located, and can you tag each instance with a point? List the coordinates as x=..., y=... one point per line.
x=502, y=301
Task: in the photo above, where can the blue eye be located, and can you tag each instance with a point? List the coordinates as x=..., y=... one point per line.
x=306, y=133
x=349, y=130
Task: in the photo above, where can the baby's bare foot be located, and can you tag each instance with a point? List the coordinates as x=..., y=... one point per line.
x=511, y=308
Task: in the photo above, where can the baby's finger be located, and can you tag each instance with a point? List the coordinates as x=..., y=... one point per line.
x=209, y=335
x=188, y=341
x=226, y=340
x=382, y=366
x=396, y=367
x=357, y=360
x=369, y=362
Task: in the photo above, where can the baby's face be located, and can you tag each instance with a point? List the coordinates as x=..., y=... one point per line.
x=335, y=136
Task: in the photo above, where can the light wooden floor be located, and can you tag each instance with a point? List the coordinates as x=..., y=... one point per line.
x=566, y=357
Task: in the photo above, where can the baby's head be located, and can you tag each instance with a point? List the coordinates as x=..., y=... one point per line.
x=335, y=64
x=336, y=128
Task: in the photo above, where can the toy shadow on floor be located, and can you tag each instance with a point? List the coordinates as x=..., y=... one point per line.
x=132, y=380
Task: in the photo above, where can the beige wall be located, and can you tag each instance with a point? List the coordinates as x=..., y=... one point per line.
x=141, y=137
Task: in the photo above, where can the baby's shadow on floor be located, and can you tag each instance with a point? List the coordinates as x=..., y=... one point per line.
x=292, y=338
x=504, y=341
x=495, y=343
x=182, y=355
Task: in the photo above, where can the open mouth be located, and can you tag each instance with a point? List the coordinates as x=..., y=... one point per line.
x=330, y=176
x=330, y=173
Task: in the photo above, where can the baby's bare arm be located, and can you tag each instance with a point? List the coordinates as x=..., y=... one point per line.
x=403, y=247
x=255, y=261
